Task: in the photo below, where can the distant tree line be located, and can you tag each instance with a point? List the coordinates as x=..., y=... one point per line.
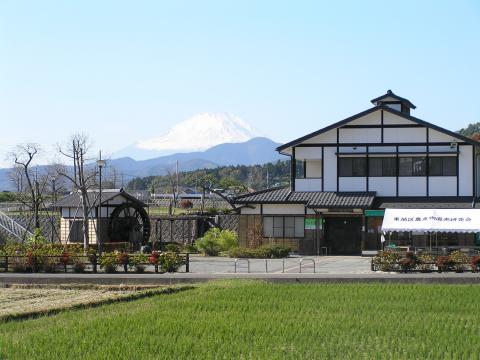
x=253, y=177
x=472, y=131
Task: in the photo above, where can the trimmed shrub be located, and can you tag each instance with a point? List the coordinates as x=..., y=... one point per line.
x=172, y=248
x=263, y=252
x=459, y=261
x=443, y=263
x=425, y=263
x=386, y=260
x=170, y=261
x=137, y=262
x=109, y=262
x=79, y=266
x=190, y=248
x=475, y=263
x=216, y=240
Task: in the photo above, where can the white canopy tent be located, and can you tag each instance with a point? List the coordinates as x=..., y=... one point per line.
x=432, y=220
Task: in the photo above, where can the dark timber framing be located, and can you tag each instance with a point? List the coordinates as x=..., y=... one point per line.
x=382, y=125
x=323, y=170
x=293, y=170
x=427, y=139
x=372, y=110
x=457, y=163
x=338, y=163
x=397, y=172
x=368, y=173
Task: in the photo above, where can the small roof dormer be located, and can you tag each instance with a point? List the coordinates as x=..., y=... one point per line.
x=394, y=101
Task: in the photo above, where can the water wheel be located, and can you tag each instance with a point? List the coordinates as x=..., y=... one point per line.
x=129, y=222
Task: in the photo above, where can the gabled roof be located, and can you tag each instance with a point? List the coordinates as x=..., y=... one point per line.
x=390, y=94
x=74, y=199
x=312, y=199
x=331, y=199
x=372, y=110
x=273, y=195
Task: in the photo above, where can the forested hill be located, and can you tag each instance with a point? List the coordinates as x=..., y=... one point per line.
x=254, y=177
x=472, y=131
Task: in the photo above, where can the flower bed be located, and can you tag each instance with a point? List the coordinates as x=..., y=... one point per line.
x=457, y=261
x=72, y=258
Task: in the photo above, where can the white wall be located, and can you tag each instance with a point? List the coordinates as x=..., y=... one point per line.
x=306, y=153
x=437, y=136
x=352, y=184
x=370, y=119
x=327, y=137
x=287, y=209
x=391, y=119
x=249, y=211
x=384, y=186
x=360, y=135
x=442, y=186
x=394, y=135
x=330, y=169
x=308, y=184
x=412, y=186
x=465, y=170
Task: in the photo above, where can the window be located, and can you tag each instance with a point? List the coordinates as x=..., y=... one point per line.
x=76, y=230
x=412, y=166
x=394, y=106
x=352, y=166
x=382, y=166
x=442, y=166
x=283, y=226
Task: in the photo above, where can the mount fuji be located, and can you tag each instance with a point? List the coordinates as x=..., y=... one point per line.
x=197, y=133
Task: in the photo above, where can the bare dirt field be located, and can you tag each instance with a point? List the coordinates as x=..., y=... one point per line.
x=18, y=301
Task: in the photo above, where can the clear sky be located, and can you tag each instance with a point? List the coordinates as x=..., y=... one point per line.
x=122, y=71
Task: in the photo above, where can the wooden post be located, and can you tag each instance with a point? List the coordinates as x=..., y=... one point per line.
x=94, y=258
x=187, y=263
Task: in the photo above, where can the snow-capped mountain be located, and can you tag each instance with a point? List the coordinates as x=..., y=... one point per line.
x=198, y=133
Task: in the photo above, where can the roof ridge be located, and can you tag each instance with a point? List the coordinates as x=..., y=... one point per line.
x=260, y=192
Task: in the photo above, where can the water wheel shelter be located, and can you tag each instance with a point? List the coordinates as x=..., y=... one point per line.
x=119, y=218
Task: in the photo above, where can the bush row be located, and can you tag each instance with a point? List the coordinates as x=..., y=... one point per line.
x=457, y=261
x=263, y=252
x=109, y=262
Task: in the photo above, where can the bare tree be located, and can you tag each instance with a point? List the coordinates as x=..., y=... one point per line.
x=23, y=157
x=16, y=176
x=172, y=177
x=83, y=177
x=112, y=178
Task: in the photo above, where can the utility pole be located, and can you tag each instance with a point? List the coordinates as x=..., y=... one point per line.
x=267, y=180
x=176, y=167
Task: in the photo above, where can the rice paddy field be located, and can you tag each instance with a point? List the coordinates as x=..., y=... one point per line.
x=256, y=320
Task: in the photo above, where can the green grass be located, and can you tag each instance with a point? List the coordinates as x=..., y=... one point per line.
x=255, y=320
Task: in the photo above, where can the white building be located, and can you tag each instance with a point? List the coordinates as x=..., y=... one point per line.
x=344, y=175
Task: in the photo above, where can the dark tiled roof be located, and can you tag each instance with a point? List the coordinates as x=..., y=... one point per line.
x=426, y=203
x=317, y=199
x=395, y=96
x=74, y=200
x=329, y=199
x=272, y=195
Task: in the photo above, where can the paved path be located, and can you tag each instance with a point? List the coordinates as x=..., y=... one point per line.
x=323, y=265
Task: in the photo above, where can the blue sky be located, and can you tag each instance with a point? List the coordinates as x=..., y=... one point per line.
x=124, y=71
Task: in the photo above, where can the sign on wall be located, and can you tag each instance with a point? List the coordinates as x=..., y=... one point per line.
x=439, y=220
x=310, y=224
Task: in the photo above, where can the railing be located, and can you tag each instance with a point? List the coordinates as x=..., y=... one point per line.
x=266, y=261
x=13, y=228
